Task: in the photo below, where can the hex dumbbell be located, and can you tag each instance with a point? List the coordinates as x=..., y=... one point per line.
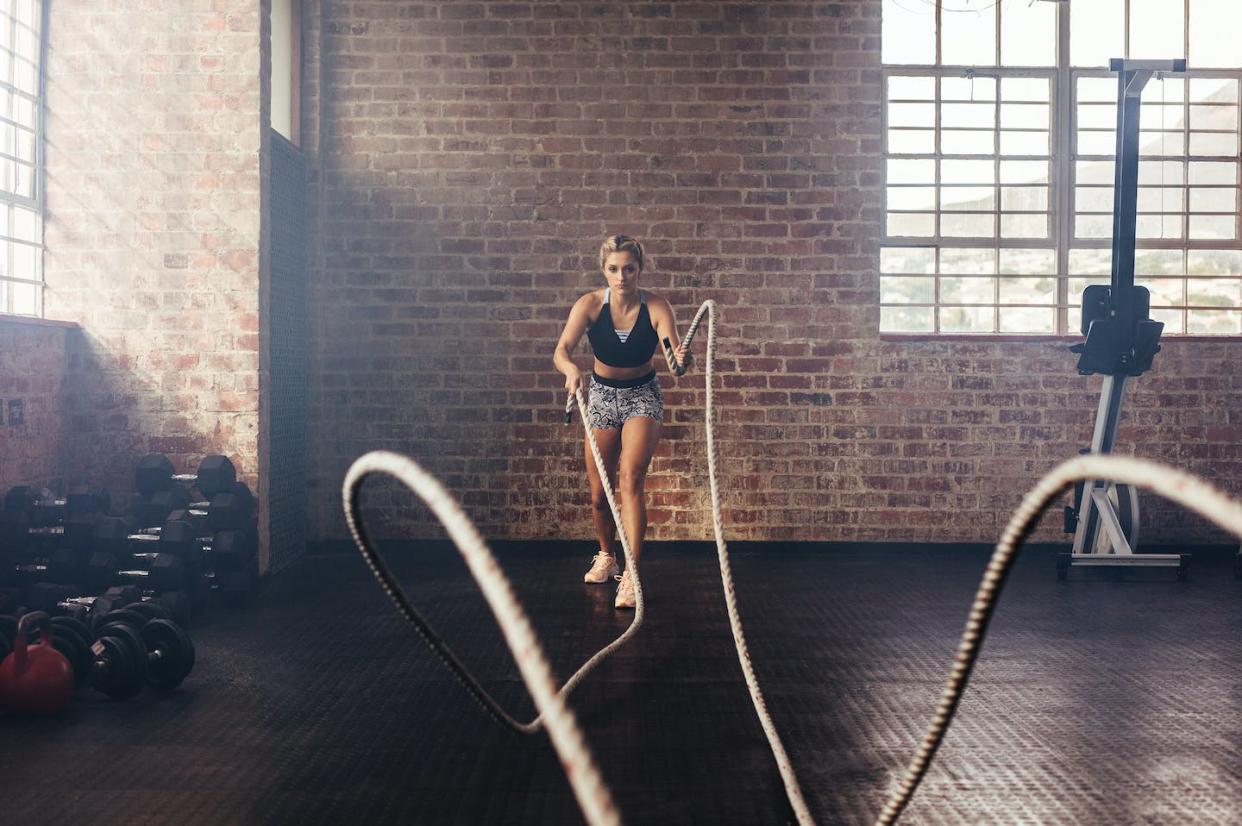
x=154, y=473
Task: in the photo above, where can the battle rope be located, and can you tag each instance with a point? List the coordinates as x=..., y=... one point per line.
x=593, y=796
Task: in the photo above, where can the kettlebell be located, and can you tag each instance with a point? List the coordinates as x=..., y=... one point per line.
x=35, y=679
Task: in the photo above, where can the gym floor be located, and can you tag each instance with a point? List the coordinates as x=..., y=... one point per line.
x=1095, y=701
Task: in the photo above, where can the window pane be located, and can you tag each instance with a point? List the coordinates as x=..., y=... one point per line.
x=1027, y=291
x=904, y=87
x=1213, y=89
x=1097, y=89
x=1173, y=320
x=968, y=198
x=1213, y=172
x=1028, y=262
x=1213, y=322
x=1166, y=292
x=912, y=197
x=907, y=290
x=1033, y=89
x=1024, y=226
x=1091, y=262
x=967, y=319
x=1098, y=172
x=1157, y=173
x=1212, y=44
x=1024, y=143
x=1096, y=143
x=1219, y=227
x=911, y=142
x=1024, y=198
x=1162, y=144
x=26, y=224
x=911, y=114
x=1093, y=226
x=967, y=172
x=967, y=261
x=25, y=299
x=1024, y=116
x=1214, y=143
x=1213, y=200
x=907, y=319
x=1157, y=199
x=968, y=37
x=968, y=115
x=907, y=260
x=1157, y=29
x=1214, y=292
x=968, y=88
x=1214, y=262
x=1158, y=262
x=1158, y=226
x=967, y=225
x=968, y=142
x=912, y=224
x=1214, y=116
x=908, y=34
x=1097, y=32
x=1028, y=34
x=1093, y=199
x=967, y=290
x=1024, y=172
x=1027, y=320
x=911, y=172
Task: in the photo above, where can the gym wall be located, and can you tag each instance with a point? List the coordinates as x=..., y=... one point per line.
x=152, y=232
x=474, y=154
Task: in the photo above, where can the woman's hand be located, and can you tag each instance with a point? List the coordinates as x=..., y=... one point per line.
x=574, y=380
x=683, y=355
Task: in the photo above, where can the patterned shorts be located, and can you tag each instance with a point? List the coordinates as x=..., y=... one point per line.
x=615, y=401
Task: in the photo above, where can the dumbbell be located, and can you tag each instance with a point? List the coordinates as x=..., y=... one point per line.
x=174, y=605
x=166, y=652
x=154, y=473
x=109, y=547
x=57, y=565
x=233, y=570
x=231, y=510
x=29, y=516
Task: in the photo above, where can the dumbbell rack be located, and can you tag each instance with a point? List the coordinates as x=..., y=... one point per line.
x=60, y=556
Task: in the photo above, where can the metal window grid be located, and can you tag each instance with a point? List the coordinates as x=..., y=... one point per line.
x=11, y=201
x=1063, y=131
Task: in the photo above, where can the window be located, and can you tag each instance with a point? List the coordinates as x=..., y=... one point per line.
x=999, y=130
x=286, y=76
x=21, y=157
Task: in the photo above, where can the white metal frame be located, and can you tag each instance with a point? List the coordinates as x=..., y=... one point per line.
x=9, y=200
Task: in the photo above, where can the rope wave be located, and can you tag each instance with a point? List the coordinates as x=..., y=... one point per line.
x=593, y=795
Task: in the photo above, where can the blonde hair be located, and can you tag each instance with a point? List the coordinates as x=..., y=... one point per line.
x=621, y=243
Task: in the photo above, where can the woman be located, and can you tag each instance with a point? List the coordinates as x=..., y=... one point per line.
x=624, y=325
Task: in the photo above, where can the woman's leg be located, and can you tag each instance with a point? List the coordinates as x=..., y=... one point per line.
x=609, y=442
x=639, y=437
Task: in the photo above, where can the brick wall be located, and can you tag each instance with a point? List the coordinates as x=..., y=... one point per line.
x=32, y=375
x=153, y=217
x=474, y=154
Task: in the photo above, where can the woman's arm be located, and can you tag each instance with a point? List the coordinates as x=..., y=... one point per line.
x=665, y=322
x=575, y=326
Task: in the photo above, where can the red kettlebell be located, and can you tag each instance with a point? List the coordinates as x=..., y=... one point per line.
x=35, y=679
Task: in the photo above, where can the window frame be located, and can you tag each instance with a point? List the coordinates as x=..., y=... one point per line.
x=1062, y=181
x=37, y=203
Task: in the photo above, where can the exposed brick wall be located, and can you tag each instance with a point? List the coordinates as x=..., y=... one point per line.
x=153, y=217
x=32, y=374
x=474, y=154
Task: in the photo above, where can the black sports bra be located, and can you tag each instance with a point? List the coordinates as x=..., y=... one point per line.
x=638, y=347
